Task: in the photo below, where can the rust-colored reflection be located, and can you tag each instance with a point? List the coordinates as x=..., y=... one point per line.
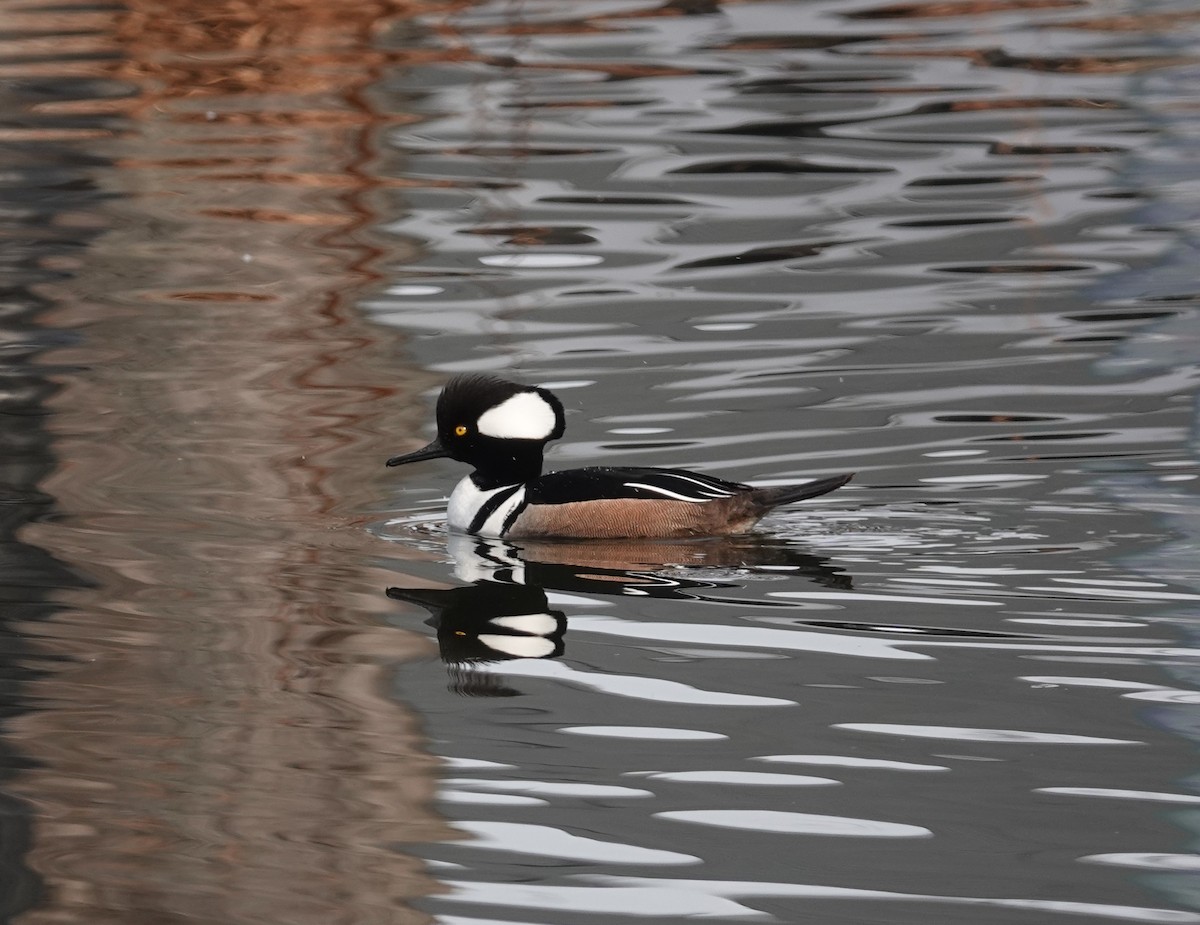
x=213, y=738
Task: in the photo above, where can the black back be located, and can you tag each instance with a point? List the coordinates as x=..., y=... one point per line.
x=597, y=483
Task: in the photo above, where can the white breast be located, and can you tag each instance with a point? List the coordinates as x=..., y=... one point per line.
x=467, y=499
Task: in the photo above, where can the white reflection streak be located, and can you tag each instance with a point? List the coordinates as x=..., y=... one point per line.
x=1149, y=860
x=1157, y=651
x=845, y=761
x=1084, y=591
x=1005, y=571
x=469, y=797
x=745, y=778
x=1134, y=690
x=1080, y=681
x=736, y=889
x=834, y=644
x=547, y=841
x=1111, y=583
x=547, y=788
x=541, y=261
x=889, y=598
x=1150, y=796
x=745, y=636
x=661, y=898
x=659, y=733
x=633, y=900
x=638, y=688
x=976, y=734
x=768, y=820
x=1166, y=695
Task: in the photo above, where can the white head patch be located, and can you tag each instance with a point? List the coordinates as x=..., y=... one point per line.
x=525, y=416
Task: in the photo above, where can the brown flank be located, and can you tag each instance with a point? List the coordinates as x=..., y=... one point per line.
x=643, y=518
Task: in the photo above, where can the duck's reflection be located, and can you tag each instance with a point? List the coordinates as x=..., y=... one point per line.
x=669, y=569
x=488, y=621
x=505, y=613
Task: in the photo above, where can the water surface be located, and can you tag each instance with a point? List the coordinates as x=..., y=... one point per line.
x=249, y=675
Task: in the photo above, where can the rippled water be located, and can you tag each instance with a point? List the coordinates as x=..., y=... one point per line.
x=248, y=675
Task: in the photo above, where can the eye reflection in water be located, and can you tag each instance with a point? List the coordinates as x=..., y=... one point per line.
x=504, y=613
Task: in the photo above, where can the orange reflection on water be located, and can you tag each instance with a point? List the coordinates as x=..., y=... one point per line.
x=215, y=738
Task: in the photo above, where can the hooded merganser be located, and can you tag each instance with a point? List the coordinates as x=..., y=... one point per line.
x=502, y=428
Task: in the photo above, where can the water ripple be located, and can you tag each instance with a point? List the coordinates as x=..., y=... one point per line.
x=948, y=245
x=656, y=689
x=1002, y=736
x=547, y=841
x=642, y=897
x=797, y=823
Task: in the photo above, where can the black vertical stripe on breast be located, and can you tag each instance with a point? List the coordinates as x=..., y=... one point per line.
x=512, y=516
x=488, y=508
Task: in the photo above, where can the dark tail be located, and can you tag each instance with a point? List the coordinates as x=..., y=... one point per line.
x=767, y=498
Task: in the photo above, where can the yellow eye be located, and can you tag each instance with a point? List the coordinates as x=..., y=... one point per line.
x=460, y=430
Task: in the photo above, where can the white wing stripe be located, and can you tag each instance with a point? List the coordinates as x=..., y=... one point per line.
x=667, y=494
x=698, y=481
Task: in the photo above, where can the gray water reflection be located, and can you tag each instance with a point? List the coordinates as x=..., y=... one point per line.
x=945, y=245
x=188, y=664
x=37, y=244
x=908, y=720
x=944, y=203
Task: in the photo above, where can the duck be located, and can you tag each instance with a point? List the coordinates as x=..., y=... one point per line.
x=501, y=428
